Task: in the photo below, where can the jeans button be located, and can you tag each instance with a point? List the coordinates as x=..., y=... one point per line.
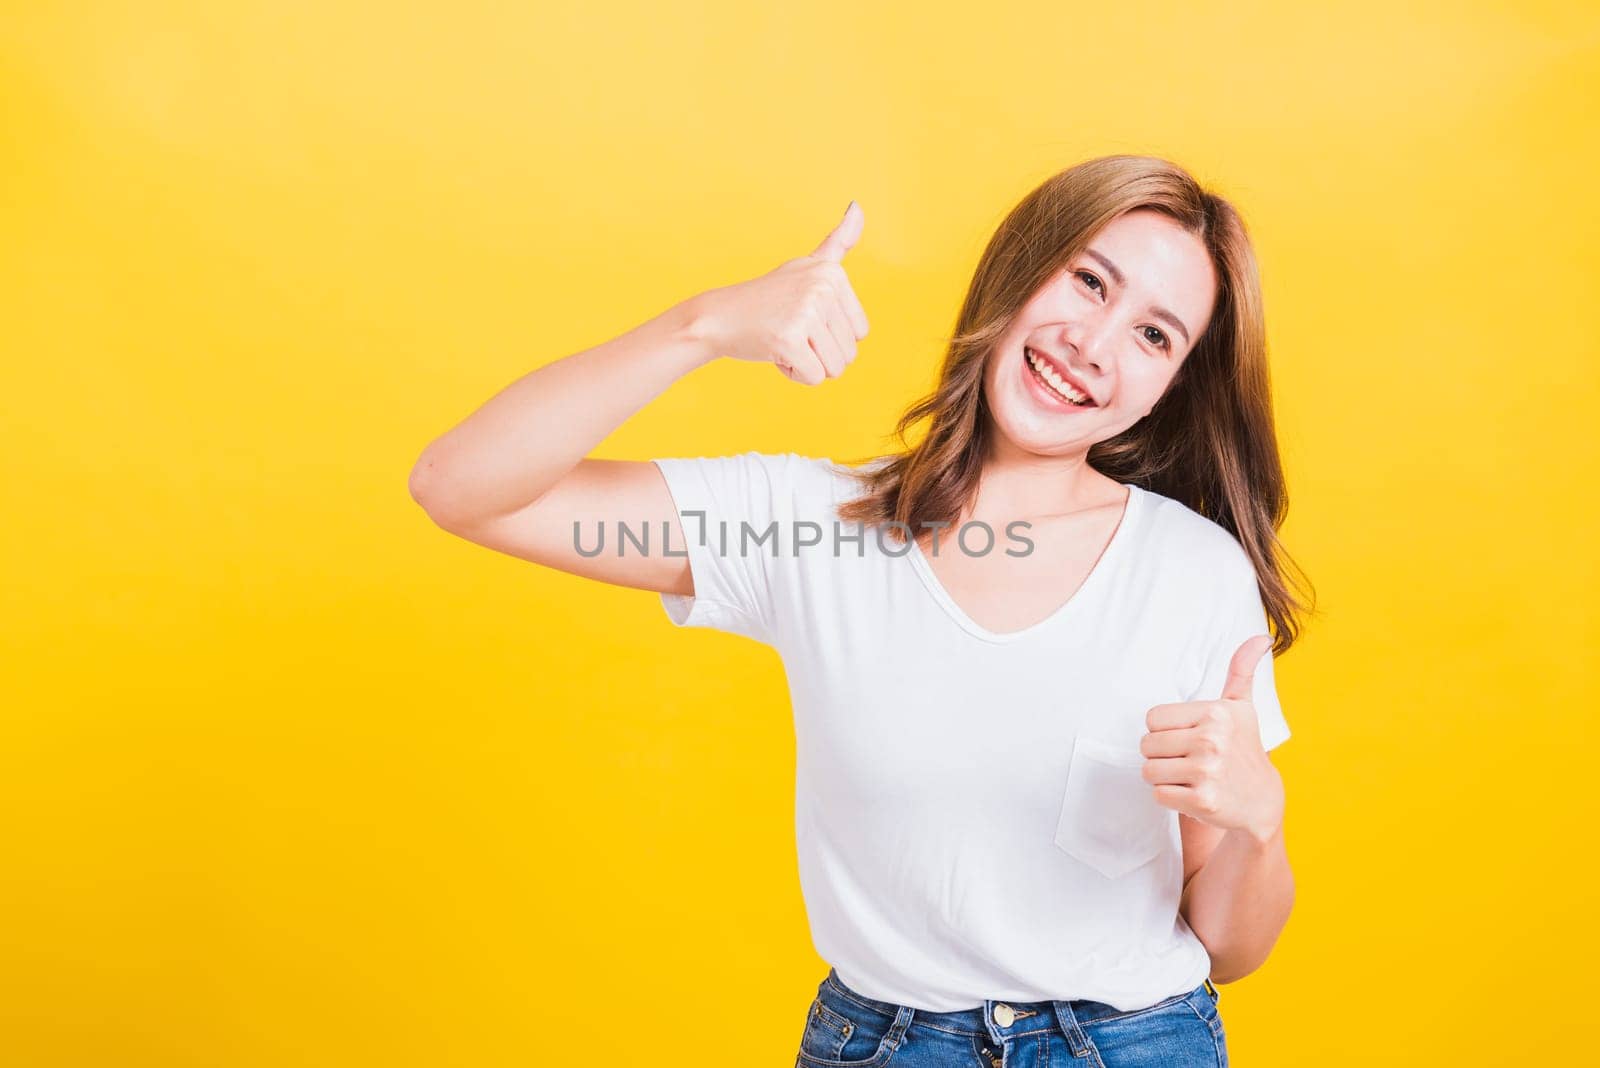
x=1004, y=1015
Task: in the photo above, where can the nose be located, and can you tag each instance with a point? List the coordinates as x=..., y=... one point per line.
x=1090, y=342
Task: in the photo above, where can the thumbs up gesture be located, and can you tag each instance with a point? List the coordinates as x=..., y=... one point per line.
x=802, y=315
x=1205, y=759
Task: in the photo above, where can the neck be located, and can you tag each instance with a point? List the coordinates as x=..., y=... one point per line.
x=1018, y=484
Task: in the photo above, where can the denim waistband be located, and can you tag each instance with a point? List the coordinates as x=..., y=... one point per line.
x=1026, y=1017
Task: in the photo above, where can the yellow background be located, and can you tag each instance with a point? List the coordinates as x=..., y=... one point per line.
x=291, y=777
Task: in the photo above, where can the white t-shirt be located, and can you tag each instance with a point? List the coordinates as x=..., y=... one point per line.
x=970, y=817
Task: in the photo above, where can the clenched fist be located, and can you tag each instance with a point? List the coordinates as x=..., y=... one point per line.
x=802, y=315
x=1204, y=758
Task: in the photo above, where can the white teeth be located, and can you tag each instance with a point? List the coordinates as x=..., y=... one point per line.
x=1056, y=382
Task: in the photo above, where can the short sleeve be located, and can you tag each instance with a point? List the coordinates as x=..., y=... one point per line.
x=734, y=512
x=1240, y=616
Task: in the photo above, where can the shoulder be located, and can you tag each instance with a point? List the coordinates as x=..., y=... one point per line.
x=1203, y=564
x=782, y=482
x=1196, y=544
x=806, y=480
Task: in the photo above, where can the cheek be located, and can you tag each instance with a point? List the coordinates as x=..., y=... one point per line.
x=1147, y=382
x=993, y=370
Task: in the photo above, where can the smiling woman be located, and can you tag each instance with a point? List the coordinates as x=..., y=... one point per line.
x=1034, y=802
x=1139, y=290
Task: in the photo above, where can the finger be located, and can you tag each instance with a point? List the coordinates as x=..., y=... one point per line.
x=1184, y=799
x=843, y=339
x=803, y=365
x=1173, y=742
x=1172, y=715
x=855, y=315
x=1180, y=770
x=826, y=345
x=843, y=237
x=1242, y=668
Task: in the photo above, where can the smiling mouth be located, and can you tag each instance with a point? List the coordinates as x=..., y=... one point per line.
x=1046, y=375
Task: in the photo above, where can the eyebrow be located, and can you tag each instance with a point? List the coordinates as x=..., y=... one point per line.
x=1159, y=313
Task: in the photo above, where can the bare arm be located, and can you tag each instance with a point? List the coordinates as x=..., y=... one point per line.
x=520, y=442
x=516, y=476
x=1239, y=900
x=1206, y=759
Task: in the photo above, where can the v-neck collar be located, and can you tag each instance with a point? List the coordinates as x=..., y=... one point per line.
x=1108, y=556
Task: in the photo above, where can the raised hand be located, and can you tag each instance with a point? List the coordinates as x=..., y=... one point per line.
x=801, y=316
x=1204, y=758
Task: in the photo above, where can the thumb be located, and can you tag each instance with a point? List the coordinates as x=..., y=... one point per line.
x=844, y=236
x=1242, y=668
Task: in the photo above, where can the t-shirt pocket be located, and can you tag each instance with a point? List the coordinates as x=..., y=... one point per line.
x=1110, y=819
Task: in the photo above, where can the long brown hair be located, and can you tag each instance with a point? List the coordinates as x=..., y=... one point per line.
x=1209, y=442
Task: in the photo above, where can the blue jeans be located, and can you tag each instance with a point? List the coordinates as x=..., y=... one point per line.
x=845, y=1029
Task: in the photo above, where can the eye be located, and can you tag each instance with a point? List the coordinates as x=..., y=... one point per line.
x=1160, y=339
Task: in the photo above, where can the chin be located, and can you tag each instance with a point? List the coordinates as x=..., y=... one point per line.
x=1028, y=427
x=1032, y=437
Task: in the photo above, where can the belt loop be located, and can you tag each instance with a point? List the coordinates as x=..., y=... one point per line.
x=1078, y=1043
x=903, y=1016
x=1212, y=989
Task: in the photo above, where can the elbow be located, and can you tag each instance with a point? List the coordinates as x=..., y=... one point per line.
x=427, y=486
x=420, y=484
x=1229, y=966
x=1224, y=971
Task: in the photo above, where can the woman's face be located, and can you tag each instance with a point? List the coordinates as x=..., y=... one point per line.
x=1117, y=321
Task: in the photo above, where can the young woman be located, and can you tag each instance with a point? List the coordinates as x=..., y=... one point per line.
x=1029, y=656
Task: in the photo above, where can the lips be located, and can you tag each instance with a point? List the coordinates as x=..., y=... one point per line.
x=1060, y=368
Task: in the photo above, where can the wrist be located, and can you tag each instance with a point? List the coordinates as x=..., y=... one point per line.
x=693, y=328
x=1266, y=820
x=1262, y=833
